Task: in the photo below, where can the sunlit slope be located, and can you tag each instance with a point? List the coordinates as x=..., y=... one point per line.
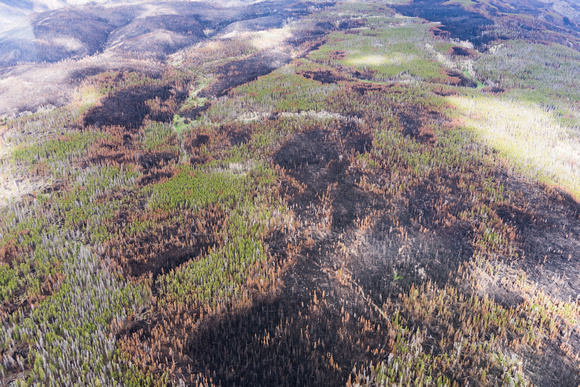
x=528, y=135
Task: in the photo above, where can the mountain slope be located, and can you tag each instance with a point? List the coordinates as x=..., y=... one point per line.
x=351, y=196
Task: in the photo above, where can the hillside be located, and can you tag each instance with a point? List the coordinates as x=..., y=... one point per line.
x=360, y=193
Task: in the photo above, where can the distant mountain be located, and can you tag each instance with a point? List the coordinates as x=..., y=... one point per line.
x=45, y=5
x=14, y=13
x=129, y=26
x=567, y=8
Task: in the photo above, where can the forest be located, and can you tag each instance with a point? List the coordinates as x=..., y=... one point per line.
x=361, y=193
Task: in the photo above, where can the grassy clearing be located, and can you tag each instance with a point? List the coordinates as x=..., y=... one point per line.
x=552, y=75
x=464, y=3
x=283, y=90
x=527, y=134
x=390, y=51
